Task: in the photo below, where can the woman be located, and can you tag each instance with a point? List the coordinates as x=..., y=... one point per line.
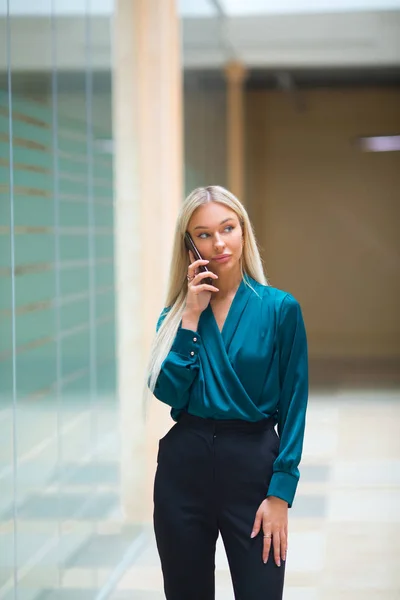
x=231, y=360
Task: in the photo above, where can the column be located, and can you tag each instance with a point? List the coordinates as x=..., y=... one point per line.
x=235, y=73
x=148, y=192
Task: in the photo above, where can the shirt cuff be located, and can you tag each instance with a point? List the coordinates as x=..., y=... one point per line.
x=186, y=343
x=283, y=485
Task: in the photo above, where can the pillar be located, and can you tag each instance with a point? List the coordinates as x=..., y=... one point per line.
x=235, y=73
x=148, y=190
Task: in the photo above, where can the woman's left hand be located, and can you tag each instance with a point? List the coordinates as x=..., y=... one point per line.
x=272, y=517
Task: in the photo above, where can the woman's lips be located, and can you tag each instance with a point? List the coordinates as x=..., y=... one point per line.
x=223, y=258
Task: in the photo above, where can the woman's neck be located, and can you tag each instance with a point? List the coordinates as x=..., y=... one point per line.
x=227, y=285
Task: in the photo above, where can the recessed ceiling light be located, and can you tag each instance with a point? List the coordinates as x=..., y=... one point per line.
x=380, y=143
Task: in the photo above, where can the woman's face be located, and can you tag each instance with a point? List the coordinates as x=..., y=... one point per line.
x=217, y=234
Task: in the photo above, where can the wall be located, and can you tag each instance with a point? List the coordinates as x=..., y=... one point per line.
x=327, y=215
x=205, y=135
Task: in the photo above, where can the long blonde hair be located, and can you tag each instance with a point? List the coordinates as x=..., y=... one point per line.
x=251, y=264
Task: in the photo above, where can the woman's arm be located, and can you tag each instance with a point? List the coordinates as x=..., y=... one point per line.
x=293, y=373
x=180, y=366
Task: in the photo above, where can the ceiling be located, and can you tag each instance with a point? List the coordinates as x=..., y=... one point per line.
x=200, y=8
x=322, y=35
x=286, y=40
x=235, y=8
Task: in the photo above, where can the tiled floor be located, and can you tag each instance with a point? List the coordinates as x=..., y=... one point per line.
x=344, y=528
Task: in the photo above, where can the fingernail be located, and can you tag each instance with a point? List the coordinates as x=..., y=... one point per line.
x=253, y=534
x=265, y=561
x=279, y=563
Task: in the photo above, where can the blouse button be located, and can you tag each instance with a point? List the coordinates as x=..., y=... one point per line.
x=195, y=339
x=192, y=353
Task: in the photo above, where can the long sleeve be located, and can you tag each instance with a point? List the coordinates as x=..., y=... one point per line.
x=179, y=367
x=293, y=374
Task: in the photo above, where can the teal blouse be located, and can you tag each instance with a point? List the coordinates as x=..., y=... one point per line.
x=256, y=367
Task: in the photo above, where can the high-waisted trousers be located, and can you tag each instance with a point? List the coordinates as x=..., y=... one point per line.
x=211, y=478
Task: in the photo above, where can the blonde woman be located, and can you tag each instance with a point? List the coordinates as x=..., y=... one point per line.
x=230, y=358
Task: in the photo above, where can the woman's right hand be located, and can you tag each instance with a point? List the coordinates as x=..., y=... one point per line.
x=199, y=293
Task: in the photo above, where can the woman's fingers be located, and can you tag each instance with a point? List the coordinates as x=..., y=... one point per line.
x=274, y=528
x=195, y=264
x=278, y=540
x=287, y=540
x=267, y=533
x=194, y=261
x=277, y=548
x=266, y=542
x=283, y=544
x=205, y=287
x=197, y=285
x=193, y=267
x=203, y=275
x=257, y=525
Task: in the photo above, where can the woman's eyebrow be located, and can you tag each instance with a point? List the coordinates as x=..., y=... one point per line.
x=222, y=222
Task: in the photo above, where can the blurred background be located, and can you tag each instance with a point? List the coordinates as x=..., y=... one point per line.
x=111, y=111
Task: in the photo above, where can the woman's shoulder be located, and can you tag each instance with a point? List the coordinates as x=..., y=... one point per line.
x=274, y=296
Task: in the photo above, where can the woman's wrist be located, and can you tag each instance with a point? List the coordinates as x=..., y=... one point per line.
x=278, y=500
x=190, y=320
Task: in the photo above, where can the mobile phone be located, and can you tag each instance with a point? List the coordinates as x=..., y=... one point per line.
x=190, y=245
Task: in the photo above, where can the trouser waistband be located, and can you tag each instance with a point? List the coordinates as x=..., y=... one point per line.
x=225, y=424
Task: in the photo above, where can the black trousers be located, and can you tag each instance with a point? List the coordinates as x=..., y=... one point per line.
x=211, y=478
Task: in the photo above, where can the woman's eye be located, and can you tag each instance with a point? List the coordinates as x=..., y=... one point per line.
x=228, y=227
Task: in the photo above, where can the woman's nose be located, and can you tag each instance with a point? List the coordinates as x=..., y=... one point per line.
x=218, y=242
